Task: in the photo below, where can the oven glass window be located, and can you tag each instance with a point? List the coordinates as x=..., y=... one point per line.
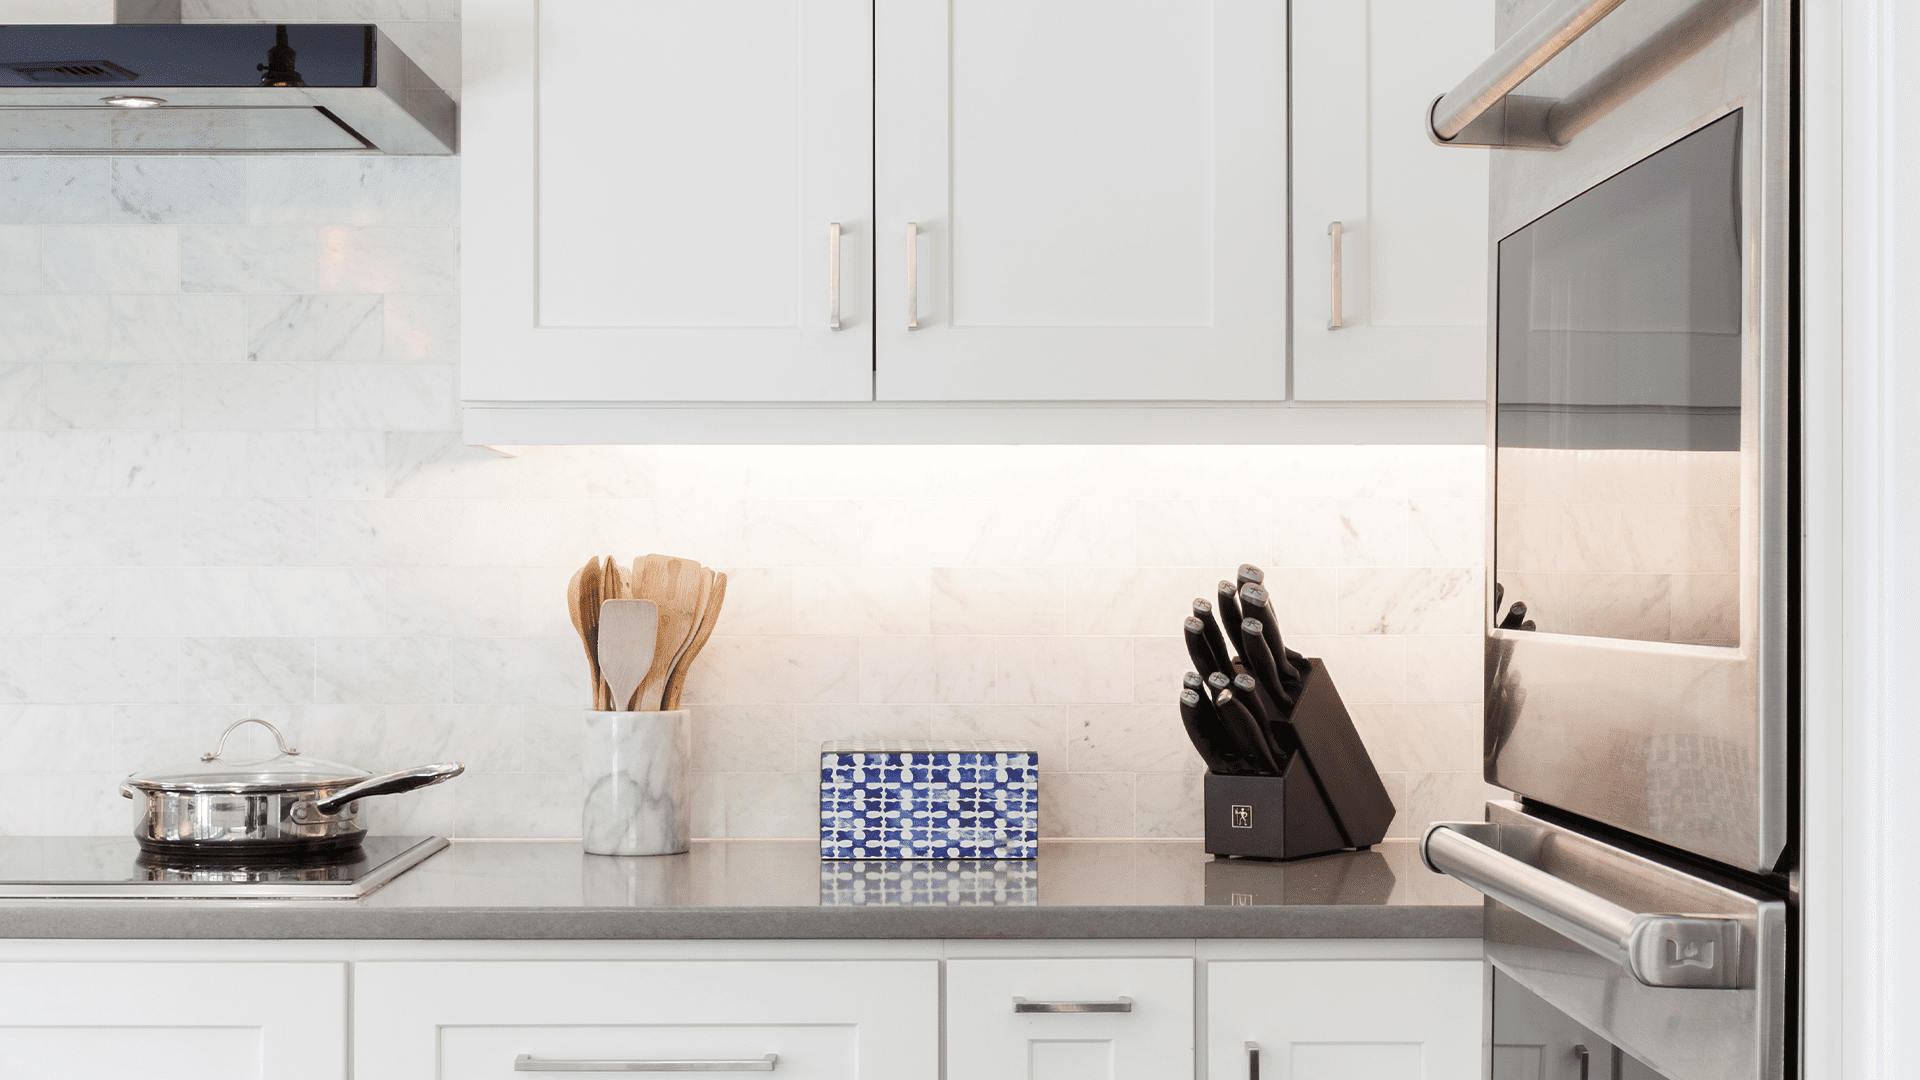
x=1617, y=430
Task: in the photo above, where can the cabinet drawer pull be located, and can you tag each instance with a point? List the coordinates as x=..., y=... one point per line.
x=527, y=1063
x=1022, y=1005
x=1334, y=321
x=1253, y=1061
x=833, y=276
x=913, y=275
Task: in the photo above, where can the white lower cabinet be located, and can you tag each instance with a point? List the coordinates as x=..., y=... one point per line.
x=180, y=1021
x=1070, y=1019
x=821, y=1020
x=1344, y=1019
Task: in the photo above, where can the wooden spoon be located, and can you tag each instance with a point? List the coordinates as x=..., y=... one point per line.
x=675, y=585
x=709, y=614
x=592, y=579
x=628, y=632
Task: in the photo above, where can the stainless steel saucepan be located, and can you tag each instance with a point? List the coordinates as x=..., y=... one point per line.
x=284, y=805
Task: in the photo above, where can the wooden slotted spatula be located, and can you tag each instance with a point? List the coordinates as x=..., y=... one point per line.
x=675, y=585
x=709, y=614
x=628, y=632
x=586, y=618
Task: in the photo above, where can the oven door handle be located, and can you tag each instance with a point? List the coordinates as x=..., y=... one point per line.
x=1557, y=26
x=1682, y=951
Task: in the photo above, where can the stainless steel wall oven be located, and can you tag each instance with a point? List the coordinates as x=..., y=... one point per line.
x=1638, y=625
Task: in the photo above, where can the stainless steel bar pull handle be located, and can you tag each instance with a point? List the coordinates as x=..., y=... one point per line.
x=1691, y=951
x=1557, y=26
x=1334, y=321
x=913, y=275
x=528, y=1063
x=833, y=276
x=1120, y=1005
x=1253, y=1061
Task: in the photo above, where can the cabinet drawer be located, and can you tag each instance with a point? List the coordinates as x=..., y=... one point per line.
x=186, y=1021
x=1381, y=1019
x=846, y=1020
x=988, y=1039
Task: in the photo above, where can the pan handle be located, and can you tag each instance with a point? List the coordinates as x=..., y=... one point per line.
x=391, y=783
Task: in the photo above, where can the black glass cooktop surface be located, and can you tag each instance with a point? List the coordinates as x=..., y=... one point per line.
x=112, y=867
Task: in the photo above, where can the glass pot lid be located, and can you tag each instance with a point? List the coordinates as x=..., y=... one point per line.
x=287, y=770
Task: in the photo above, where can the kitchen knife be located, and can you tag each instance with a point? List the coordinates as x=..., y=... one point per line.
x=1240, y=721
x=1250, y=574
x=1203, y=731
x=1218, y=643
x=1266, y=668
x=1273, y=722
x=1204, y=661
x=1226, y=601
x=1499, y=592
x=1224, y=745
x=1516, y=615
x=1255, y=603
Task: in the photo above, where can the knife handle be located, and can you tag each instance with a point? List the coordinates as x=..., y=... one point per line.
x=1201, y=652
x=1215, y=640
x=1265, y=667
x=1255, y=603
x=1226, y=601
x=1201, y=731
x=1240, y=721
x=1273, y=722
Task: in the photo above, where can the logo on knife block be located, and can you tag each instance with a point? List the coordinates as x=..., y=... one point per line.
x=1242, y=816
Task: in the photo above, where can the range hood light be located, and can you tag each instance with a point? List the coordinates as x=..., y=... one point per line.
x=129, y=101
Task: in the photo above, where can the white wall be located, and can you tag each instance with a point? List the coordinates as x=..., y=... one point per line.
x=231, y=485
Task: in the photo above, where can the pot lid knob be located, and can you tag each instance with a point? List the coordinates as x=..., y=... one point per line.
x=221, y=745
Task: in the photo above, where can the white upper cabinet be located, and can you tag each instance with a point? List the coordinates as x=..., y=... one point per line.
x=649, y=187
x=1080, y=200
x=1412, y=257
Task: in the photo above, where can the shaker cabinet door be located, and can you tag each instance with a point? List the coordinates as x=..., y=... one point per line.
x=648, y=195
x=990, y=1038
x=174, y=1021
x=1080, y=200
x=1411, y=257
x=1379, y=1019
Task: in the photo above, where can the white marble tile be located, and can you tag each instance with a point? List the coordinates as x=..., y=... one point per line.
x=388, y=259
x=1086, y=804
x=1446, y=796
x=252, y=11
x=1445, y=668
x=243, y=397
x=772, y=804
x=312, y=328
x=69, y=464
x=1635, y=606
x=898, y=669
x=380, y=671
x=386, y=397
x=84, y=804
x=1218, y=534
x=796, y=669
x=252, y=601
x=25, y=813
x=244, y=669
x=112, y=396
x=249, y=259
x=1041, y=728
x=120, y=668
x=197, y=328
x=861, y=600
x=967, y=669
x=1409, y=601
x=339, y=191
x=20, y=666
x=1446, y=532
x=1345, y=532
x=1705, y=608
x=997, y=532
x=66, y=328
x=517, y=804
x=204, y=464
x=1364, y=668
x=1410, y=472
x=58, y=600
x=745, y=738
x=462, y=601
x=178, y=190
x=759, y=601
x=1158, y=664
x=801, y=532
x=485, y=738
x=53, y=189
x=817, y=724
x=1130, y=738
x=422, y=328
x=374, y=532
x=1169, y=805
x=1065, y=669
x=550, y=736
x=110, y=258
x=421, y=812
x=1420, y=738
x=19, y=396
x=90, y=532
x=19, y=258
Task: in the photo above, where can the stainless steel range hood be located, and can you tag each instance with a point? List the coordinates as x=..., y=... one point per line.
x=216, y=88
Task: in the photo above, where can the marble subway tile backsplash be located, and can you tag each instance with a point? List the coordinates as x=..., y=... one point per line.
x=231, y=485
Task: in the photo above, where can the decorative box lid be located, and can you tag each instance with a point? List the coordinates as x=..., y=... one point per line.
x=924, y=746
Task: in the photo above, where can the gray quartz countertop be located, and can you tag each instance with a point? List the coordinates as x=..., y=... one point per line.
x=757, y=889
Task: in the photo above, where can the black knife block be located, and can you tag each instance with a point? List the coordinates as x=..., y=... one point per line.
x=1328, y=798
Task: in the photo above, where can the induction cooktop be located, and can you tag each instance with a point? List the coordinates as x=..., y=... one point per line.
x=112, y=867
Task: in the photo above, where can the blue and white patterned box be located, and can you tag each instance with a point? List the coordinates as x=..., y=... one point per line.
x=929, y=800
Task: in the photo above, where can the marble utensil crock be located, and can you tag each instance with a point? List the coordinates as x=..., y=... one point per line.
x=637, y=766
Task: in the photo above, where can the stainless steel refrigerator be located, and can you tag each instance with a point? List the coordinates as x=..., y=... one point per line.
x=1640, y=611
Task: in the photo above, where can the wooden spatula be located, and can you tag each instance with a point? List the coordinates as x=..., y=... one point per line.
x=675, y=585
x=709, y=614
x=587, y=618
x=628, y=631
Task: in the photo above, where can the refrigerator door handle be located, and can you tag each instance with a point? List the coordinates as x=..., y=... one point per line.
x=1669, y=950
